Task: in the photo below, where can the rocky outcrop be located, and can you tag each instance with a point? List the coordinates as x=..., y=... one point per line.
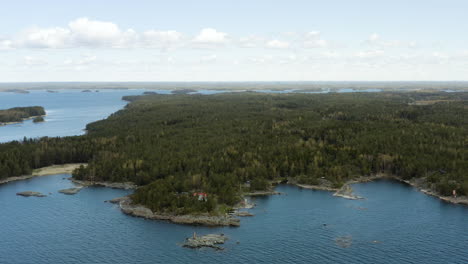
x=211, y=240
x=242, y=213
x=30, y=193
x=71, y=191
x=127, y=207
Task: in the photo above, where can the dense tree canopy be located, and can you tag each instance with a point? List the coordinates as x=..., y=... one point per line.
x=17, y=114
x=175, y=145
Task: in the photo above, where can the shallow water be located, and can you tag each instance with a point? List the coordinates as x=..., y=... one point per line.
x=395, y=224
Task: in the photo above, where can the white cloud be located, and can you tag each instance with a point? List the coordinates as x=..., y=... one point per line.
x=154, y=36
x=90, y=32
x=209, y=58
x=32, y=61
x=313, y=40
x=211, y=36
x=85, y=60
x=6, y=44
x=439, y=55
x=369, y=54
x=250, y=41
x=44, y=38
x=277, y=44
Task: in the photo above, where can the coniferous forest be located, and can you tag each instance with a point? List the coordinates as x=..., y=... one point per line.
x=174, y=145
x=18, y=114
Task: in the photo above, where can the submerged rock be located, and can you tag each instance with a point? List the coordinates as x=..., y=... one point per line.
x=30, y=193
x=211, y=240
x=344, y=241
x=71, y=191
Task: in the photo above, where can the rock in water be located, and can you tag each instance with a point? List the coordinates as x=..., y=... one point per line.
x=71, y=191
x=211, y=240
x=30, y=193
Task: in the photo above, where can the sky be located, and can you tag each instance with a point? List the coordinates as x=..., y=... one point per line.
x=233, y=40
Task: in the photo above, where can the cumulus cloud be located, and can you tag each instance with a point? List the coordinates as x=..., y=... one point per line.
x=211, y=36
x=84, y=32
x=96, y=33
x=43, y=38
x=277, y=44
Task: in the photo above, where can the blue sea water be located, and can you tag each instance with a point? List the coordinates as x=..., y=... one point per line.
x=394, y=224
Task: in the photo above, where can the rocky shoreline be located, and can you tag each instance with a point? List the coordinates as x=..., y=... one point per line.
x=344, y=192
x=125, y=204
x=113, y=185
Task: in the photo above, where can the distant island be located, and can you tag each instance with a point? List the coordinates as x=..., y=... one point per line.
x=183, y=91
x=19, y=114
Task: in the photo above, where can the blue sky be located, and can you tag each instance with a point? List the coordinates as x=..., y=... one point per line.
x=236, y=40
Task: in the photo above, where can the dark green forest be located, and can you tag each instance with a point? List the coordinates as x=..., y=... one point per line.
x=17, y=114
x=174, y=145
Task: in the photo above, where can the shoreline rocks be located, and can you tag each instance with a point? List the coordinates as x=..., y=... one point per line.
x=347, y=192
x=243, y=213
x=31, y=193
x=128, y=208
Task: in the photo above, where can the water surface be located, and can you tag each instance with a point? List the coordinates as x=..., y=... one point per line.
x=395, y=224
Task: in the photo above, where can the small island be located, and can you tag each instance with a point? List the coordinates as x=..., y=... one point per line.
x=19, y=114
x=38, y=119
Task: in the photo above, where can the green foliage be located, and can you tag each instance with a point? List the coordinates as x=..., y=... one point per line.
x=174, y=145
x=17, y=114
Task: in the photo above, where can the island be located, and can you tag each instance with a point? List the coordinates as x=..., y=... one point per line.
x=183, y=91
x=19, y=114
x=194, y=159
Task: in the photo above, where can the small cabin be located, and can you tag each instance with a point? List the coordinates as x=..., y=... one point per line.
x=201, y=196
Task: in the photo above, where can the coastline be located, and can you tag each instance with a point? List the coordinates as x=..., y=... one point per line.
x=113, y=185
x=459, y=200
x=126, y=206
x=45, y=171
x=20, y=122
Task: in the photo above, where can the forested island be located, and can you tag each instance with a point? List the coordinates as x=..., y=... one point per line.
x=18, y=114
x=177, y=147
